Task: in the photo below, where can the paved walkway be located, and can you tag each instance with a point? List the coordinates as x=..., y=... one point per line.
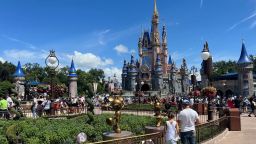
x=246, y=136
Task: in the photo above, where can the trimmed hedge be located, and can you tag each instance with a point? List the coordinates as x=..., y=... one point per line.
x=33, y=131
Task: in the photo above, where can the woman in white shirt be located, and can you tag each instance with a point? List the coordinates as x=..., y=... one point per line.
x=172, y=130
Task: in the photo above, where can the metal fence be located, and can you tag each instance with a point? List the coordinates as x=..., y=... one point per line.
x=62, y=112
x=156, y=138
x=204, y=132
x=202, y=118
x=207, y=131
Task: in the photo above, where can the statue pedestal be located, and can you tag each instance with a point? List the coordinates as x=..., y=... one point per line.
x=113, y=135
x=153, y=129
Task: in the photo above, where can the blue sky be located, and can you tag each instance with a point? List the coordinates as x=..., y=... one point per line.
x=102, y=33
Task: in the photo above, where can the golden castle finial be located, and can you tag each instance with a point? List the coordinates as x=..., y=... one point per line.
x=155, y=8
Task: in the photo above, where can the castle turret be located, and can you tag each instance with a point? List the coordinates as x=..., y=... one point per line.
x=140, y=49
x=165, y=50
x=132, y=73
x=19, y=78
x=245, y=75
x=124, y=76
x=72, y=80
x=155, y=43
x=158, y=75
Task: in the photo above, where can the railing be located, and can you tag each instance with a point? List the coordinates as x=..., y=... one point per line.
x=202, y=118
x=204, y=132
x=156, y=138
x=62, y=112
x=207, y=131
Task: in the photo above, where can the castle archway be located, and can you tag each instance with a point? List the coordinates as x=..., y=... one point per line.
x=145, y=87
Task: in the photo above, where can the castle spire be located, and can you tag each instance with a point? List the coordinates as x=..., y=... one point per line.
x=244, y=56
x=19, y=72
x=155, y=8
x=72, y=69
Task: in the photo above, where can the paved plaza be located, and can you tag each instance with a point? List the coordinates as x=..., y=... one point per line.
x=246, y=136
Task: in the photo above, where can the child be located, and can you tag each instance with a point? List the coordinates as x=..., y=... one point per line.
x=172, y=130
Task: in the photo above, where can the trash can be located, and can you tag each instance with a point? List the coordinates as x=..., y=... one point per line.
x=234, y=119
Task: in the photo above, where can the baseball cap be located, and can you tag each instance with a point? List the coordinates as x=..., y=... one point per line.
x=186, y=102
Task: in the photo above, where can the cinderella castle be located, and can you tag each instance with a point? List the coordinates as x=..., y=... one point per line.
x=154, y=73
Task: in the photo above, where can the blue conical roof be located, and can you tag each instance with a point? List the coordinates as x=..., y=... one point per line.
x=19, y=72
x=244, y=56
x=170, y=60
x=72, y=70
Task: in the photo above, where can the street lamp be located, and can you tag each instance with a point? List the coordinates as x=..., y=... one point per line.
x=207, y=60
x=193, y=72
x=52, y=62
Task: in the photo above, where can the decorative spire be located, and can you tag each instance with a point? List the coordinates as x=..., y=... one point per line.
x=158, y=65
x=244, y=56
x=132, y=66
x=19, y=72
x=72, y=70
x=164, y=35
x=170, y=60
x=155, y=8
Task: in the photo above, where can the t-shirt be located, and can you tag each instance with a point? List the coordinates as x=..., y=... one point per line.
x=187, y=118
x=171, y=130
x=3, y=104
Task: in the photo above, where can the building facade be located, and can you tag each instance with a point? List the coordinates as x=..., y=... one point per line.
x=240, y=83
x=152, y=71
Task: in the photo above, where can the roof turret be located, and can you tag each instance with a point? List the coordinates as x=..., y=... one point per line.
x=19, y=72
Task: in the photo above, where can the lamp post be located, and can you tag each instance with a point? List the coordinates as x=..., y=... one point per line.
x=207, y=67
x=193, y=72
x=52, y=62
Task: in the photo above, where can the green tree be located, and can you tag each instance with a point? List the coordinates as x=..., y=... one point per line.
x=7, y=69
x=223, y=67
x=5, y=87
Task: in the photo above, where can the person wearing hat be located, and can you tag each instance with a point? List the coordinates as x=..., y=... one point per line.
x=187, y=119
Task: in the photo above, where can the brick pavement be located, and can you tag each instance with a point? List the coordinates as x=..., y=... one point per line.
x=246, y=136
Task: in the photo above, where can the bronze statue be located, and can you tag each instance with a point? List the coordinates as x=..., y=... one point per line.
x=117, y=103
x=157, y=109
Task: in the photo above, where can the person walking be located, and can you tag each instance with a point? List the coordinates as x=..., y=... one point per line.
x=252, y=104
x=4, y=108
x=172, y=130
x=187, y=119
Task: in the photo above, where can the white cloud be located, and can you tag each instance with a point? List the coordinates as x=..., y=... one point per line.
x=242, y=21
x=2, y=60
x=121, y=49
x=18, y=54
x=86, y=61
x=133, y=51
x=27, y=44
x=109, y=72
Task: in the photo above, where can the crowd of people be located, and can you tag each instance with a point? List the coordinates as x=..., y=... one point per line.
x=10, y=107
x=44, y=105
